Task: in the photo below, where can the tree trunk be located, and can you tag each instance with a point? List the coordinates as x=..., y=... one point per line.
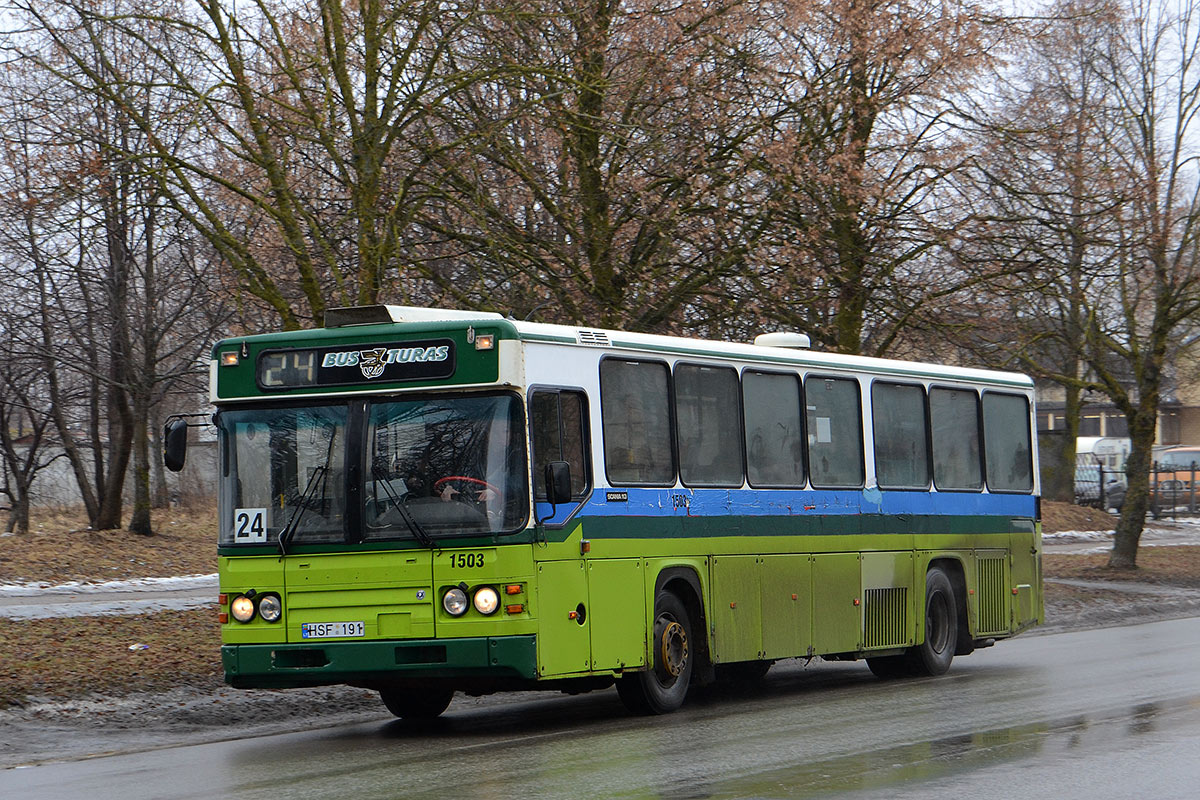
x=1063, y=489
x=161, y=495
x=139, y=522
x=1128, y=535
x=18, y=515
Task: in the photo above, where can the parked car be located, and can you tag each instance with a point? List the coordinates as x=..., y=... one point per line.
x=1171, y=479
x=1087, y=488
x=1169, y=494
x=1180, y=459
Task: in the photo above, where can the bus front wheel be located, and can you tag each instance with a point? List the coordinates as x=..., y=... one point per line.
x=416, y=704
x=662, y=688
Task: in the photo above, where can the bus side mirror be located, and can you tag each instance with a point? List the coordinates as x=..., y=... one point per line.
x=175, y=443
x=558, y=482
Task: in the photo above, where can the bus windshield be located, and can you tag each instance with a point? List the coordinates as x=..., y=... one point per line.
x=455, y=464
x=434, y=466
x=281, y=466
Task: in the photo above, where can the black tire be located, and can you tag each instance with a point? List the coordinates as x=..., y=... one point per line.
x=743, y=672
x=416, y=704
x=888, y=668
x=662, y=688
x=933, y=656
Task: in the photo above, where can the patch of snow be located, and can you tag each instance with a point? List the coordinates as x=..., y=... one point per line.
x=1078, y=536
x=179, y=583
x=40, y=600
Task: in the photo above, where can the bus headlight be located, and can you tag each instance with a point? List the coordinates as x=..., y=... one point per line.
x=486, y=600
x=242, y=608
x=270, y=607
x=455, y=602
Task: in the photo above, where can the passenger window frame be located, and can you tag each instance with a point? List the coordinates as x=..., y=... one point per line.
x=803, y=428
x=670, y=405
x=862, y=452
x=586, y=438
x=927, y=444
x=740, y=437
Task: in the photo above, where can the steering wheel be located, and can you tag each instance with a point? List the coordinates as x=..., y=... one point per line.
x=478, y=481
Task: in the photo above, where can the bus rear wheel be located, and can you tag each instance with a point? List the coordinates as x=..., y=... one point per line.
x=416, y=704
x=662, y=688
x=933, y=656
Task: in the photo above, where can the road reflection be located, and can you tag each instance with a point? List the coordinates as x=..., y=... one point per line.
x=1105, y=713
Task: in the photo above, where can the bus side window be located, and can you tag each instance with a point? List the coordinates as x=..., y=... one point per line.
x=774, y=436
x=636, y=413
x=955, y=416
x=707, y=411
x=1006, y=442
x=834, y=426
x=559, y=430
x=901, y=441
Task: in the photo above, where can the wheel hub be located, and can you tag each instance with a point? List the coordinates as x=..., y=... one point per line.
x=674, y=646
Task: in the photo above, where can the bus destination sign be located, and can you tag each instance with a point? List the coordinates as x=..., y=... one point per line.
x=345, y=365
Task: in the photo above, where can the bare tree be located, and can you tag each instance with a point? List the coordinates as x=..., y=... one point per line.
x=1043, y=189
x=299, y=168
x=1108, y=232
x=603, y=172
x=864, y=132
x=26, y=432
x=105, y=271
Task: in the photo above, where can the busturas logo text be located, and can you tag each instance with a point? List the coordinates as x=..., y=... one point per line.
x=373, y=362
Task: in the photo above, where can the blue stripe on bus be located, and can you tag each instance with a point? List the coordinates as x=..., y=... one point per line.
x=683, y=502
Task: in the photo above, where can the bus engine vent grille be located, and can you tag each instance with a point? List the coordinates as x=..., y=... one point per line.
x=885, y=623
x=594, y=338
x=993, y=617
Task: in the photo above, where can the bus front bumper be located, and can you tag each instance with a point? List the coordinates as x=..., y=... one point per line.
x=276, y=666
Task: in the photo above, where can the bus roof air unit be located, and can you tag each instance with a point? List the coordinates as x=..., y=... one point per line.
x=797, y=341
x=374, y=315
x=593, y=338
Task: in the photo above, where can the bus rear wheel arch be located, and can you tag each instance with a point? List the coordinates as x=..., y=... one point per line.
x=662, y=687
x=935, y=653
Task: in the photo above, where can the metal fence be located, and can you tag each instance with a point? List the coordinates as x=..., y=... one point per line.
x=1099, y=486
x=1173, y=490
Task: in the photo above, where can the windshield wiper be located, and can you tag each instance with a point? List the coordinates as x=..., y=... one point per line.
x=289, y=530
x=401, y=504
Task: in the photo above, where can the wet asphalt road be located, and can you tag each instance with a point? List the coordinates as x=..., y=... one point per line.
x=1105, y=713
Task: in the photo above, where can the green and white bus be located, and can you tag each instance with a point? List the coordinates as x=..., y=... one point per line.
x=423, y=501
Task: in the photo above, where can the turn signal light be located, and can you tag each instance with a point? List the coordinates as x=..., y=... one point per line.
x=512, y=588
x=515, y=608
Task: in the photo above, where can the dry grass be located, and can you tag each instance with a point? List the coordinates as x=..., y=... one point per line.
x=67, y=657
x=76, y=657
x=1165, y=566
x=1059, y=517
x=72, y=657
x=60, y=548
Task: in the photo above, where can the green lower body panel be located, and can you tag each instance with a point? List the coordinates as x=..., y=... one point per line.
x=276, y=666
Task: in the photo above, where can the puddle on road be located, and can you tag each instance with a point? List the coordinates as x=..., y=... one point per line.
x=923, y=762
